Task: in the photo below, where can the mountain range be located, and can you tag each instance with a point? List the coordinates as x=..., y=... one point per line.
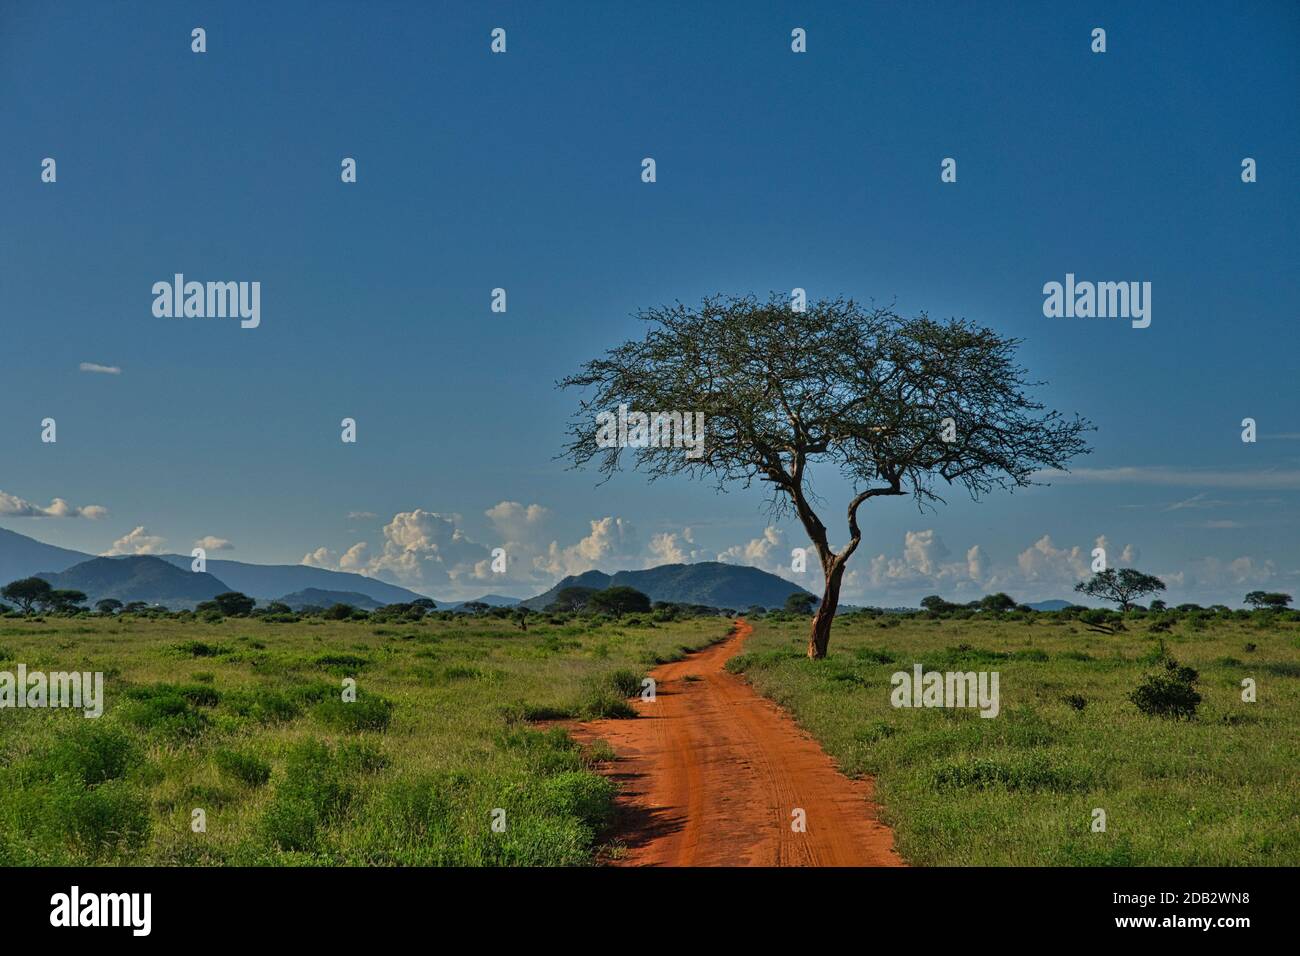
x=711, y=583
x=167, y=580
x=22, y=557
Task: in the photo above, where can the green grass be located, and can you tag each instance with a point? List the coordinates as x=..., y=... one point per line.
x=245, y=720
x=1020, y=788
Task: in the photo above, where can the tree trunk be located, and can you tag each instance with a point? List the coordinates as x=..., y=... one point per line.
x=820, y=637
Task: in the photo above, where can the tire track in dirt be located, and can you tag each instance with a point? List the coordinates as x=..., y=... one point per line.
x=710, y=774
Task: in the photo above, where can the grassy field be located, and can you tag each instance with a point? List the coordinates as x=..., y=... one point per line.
x=1019, y=789
x=244, y=720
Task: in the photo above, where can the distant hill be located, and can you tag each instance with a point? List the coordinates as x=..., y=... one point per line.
x=1053, y=605
x=137, y=578
x=710, y=583
x=491, y=600
x=23, y=557
x=315, y=597
x=265, y=581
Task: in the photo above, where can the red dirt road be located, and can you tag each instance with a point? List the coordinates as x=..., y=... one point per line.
x=711, y=774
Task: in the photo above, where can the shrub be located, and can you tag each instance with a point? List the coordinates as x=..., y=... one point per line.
x=342, y=664
x=315, y=793
x=200, y=649
x=627, y=683
x=1169, y=693
x=367, y=712
x=91, y=753
x=264, y=706
x=605, y=702
x=1027, y=773
x=103, y=816
x=581, y=794
x=245, y=767
x=164, y=709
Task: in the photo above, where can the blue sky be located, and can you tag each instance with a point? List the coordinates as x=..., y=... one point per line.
x=775, y=170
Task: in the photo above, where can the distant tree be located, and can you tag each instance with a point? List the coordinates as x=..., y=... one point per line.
x=800, y=602
x=108, y=606
x=1123, y=586
x=997, y=602
x=1158, y=605
x=62, y=600
x=475, y=607
x=425, y=603
x=755, y=610
x=898, y=406
x=278, y=607
x=1268, y=599
x=936, y=604
x=134, y=607
x=234, y=604
x=572, y=598
x=26, y=592
x=619, y=599
x=339, y=612
x=521, y=615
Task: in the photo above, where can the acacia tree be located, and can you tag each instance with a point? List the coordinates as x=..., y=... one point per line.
x=895, y=404
x=1268, y=599
x=26, y=592
x=1124, y=586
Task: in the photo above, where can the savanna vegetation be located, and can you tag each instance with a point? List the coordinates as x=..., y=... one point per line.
x=237, y=710
x=242, y=717
x=1138, y=714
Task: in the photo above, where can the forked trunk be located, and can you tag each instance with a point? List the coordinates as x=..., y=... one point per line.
x=820, y=637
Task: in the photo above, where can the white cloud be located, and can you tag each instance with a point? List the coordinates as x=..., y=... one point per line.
x=612, y=541
x=421, y=549
x=139, y=541
x=1277, y=479
x=673, y=547
x=17, y=507
x=212, y=543
x=767, y=552
x=361, y=515
x=518, y=524
x=102, y=369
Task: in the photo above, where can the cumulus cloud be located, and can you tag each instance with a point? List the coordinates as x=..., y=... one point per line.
x=421, y=549
x=673, y=547
x=212, y=543
x=767, y=552
x=14, y=506
x=101, y=369
x=612, y=540
x=138, y=541
x=517, y=523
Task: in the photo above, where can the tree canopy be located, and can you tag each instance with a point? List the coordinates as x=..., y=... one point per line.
x=899, y=406
x=1123, y=586
x=26, y=592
